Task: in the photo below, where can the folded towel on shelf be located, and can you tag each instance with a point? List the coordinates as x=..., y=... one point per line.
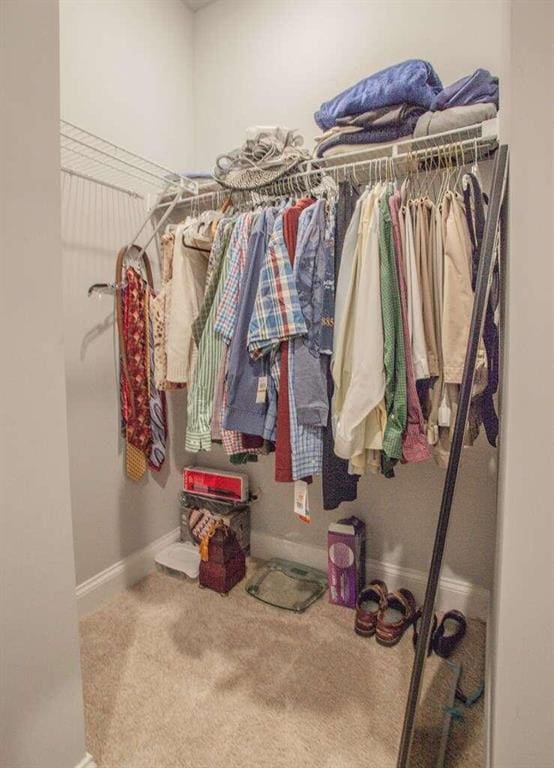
x=345, y=149
x=396, y=114
x=396, y=120
x=372, y=135
x=450, y=119
x=413, y=82
x=479, y=88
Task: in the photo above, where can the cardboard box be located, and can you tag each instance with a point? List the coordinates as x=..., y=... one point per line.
x=346, y=561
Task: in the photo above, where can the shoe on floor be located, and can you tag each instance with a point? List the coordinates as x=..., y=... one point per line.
x=395, y=617
x=449, y=633
x=370, y=601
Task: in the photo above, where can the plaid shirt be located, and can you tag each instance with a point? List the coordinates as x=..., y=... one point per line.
x=227, y=311
x=306, y=441
x=277, y=315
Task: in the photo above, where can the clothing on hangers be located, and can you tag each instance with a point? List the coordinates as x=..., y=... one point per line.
x=338, y=484
x=330, y=329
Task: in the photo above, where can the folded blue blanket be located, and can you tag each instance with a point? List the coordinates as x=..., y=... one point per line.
x=375, y=135
x=413, y=82
x=479, y=88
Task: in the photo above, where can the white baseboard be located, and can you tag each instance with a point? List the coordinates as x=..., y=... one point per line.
x=119, y=576
x=453, y=593
x=86, y=762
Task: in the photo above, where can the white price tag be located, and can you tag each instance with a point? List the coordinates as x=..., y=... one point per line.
x=262, y=389
x=301, y=502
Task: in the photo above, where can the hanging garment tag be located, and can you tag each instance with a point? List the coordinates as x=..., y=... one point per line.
x=262, y=389
x=445, y=414
x=301, y=503
x=445, y=410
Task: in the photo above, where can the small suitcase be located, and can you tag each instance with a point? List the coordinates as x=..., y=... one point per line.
x=226, y=563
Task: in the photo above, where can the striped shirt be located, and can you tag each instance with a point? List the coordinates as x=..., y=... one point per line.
x=201, y=394
x=215, y=263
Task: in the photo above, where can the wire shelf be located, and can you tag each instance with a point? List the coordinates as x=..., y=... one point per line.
x=479, y=137
x=89, y=156
x=460, y=147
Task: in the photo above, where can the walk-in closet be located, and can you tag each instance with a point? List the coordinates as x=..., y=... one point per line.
x=275, y=495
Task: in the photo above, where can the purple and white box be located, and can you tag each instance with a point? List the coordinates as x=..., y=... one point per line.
x=346, y=560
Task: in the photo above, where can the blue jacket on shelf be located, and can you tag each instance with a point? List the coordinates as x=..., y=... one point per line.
x=411, y=82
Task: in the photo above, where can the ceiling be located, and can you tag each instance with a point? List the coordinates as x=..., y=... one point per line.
x=194, y=5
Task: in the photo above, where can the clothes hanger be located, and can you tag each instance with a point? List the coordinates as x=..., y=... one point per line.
x=461, y=166
x=101, y=288
x=427, y=173
x=444, y=174
x=431, y=174
x=393, y=173
x=474, y=168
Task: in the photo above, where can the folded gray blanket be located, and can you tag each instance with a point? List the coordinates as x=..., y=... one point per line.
x=377, y=126
x=372, y=135
x=450, y=119
x=384, y=117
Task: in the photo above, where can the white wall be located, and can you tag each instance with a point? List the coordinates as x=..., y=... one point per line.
x=41, y=719
x=275, y=62
x=523, y=683
x=293, y=56
x=112, y=516
x=126, y=74
x=141, y=54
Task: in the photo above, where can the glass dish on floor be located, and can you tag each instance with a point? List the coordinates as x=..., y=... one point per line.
x=287, y=585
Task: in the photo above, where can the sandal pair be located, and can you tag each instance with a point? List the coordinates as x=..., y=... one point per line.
x=387, y=615
x=444, y=636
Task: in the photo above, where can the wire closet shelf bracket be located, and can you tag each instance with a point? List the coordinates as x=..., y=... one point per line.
x=91, y=157
x=87, y=156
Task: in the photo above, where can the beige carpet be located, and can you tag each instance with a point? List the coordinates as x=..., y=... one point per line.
x=179, y=677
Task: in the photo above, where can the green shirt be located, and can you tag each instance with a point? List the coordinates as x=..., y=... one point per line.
x=395, y=363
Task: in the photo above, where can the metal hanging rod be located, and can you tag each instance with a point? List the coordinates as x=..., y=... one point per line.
x=457, y=147
x=91, y=157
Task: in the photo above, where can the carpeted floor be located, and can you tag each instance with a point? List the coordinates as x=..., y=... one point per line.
x=178, y=677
